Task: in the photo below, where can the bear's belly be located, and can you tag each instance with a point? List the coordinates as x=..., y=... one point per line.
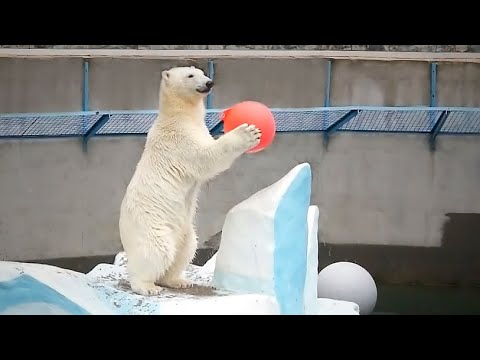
x=161, y=206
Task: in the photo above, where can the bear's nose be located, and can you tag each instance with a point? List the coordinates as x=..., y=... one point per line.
x=209, y=84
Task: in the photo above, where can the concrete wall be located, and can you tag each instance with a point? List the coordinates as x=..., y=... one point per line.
x=129, y=84
x=460, y=85
x=40, y=85
x=37, y=85
x=399, y=83
x=57, y=201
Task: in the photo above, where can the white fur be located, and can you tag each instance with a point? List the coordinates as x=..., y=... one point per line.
x=158, y=211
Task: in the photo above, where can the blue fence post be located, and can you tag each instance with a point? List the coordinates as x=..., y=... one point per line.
x=436, y=129
x=217, y=129
x=85, y=93
x=86, y=86
x=433, y=84
x=337, y=125
x=93, y=130
x=211, y=75
x=328, y=79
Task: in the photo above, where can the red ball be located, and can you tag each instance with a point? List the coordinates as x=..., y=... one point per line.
x=252, y=113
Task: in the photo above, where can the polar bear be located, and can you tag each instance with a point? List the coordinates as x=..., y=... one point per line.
x=157, y=213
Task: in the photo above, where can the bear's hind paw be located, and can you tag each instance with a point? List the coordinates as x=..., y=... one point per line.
x=146, y=289
x=179, y=283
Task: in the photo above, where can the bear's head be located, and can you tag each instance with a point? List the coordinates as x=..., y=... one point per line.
x=187, y=82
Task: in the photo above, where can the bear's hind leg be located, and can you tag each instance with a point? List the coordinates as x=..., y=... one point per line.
x=144, y=267
x=174, y=278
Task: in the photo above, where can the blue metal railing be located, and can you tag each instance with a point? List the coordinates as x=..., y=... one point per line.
x=434, y=121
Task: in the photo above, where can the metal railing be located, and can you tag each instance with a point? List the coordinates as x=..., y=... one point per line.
x=433, y=121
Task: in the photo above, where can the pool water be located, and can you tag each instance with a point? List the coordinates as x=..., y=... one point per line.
x=427, y=300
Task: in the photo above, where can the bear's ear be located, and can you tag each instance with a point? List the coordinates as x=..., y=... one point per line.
x=165, y=75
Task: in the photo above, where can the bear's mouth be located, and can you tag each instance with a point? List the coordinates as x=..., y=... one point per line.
x=204, y=90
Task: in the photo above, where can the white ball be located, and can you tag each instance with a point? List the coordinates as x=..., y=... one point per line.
x=346, y=281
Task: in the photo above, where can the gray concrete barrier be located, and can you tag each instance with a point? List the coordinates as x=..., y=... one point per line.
x=51, y=80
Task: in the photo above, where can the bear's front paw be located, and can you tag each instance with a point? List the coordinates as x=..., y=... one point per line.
x=247, y=136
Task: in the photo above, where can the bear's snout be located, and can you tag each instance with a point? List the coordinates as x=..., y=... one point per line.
x=205, y=89
x=209, y=84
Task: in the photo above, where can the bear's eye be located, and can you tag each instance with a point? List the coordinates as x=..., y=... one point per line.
x=190, y=76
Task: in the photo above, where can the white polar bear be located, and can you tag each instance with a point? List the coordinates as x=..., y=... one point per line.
x=158, y=210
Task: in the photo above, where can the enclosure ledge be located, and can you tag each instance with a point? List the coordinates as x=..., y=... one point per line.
x=240, y=54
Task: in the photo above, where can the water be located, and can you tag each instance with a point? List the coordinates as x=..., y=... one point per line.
x=427, y=300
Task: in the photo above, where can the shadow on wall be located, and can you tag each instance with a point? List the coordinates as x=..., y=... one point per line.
x=454, y=263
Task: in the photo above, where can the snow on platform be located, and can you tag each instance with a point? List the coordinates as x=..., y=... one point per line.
x=37, y=289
